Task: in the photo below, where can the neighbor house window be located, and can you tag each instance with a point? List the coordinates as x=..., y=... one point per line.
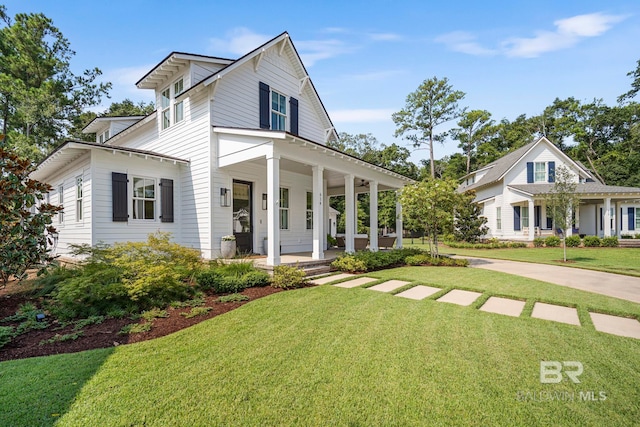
x=103, y=136
x=178, y=108
x=540, y=172
x=498, y=218
x=144, y=198
x=278, y=111
x=165, y=104
x=525, y=216
x=309, y=210
x=61, y=203
x=284, y=208
x=79, y=198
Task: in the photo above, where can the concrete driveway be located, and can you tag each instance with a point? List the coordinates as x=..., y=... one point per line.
x=613, y=285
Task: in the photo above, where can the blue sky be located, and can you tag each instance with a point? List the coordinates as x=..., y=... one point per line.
x=364, y=57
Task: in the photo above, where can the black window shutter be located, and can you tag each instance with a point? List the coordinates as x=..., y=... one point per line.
x=529, y=172
x=166, y=199
x=516, y=218
x=549, y=223
x=631, y=218
x=119, y=196
x=552, y=171
x=264, y=106
x=293, y=105
x=601, y=220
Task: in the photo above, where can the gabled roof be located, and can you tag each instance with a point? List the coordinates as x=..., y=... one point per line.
x=583, y=188
x=96, y=124
x=499, y=168
x=171, y=63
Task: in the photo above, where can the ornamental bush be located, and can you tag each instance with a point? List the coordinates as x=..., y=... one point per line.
x=572, y=241
x=591, y=241
x=288, y=277
x=610, y=242
x=538, y=242
x=552, y=241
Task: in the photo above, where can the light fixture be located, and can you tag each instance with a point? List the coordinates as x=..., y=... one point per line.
x=264, y=201
x=225, y=198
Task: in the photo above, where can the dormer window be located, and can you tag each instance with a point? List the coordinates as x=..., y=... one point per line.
x=168, y=100
x=103, y=136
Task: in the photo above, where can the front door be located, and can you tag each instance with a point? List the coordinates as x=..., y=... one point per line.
x=242, y=216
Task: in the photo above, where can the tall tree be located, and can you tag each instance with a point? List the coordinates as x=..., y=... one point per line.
x=39, y=95
x=562, y=201
x=635, y=85
x=474, y=127
x=432, y=104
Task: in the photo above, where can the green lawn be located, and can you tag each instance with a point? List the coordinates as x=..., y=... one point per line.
x=612, y=260
x=332, y=356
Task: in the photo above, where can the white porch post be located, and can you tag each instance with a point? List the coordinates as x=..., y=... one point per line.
x=325, y=210
x=350, y=219
x=318, y=213
x=607, y=217
x=616, y=223
x=570, y=228
x=398, y=225
x=373, y=216
x=273, y=210
x=532, y=228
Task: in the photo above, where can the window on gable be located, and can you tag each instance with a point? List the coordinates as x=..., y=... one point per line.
x=165, y=104
x=103, y=136
x=144, y=198
x=79, y=198
x=309, y=210
x=278, y=111
x=284, y=208
x=540, y=172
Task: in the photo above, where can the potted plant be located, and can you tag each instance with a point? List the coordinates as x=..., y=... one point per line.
x=228, y=246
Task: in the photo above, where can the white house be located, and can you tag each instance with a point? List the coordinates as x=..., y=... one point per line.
x=512, y=191
x=234, y=147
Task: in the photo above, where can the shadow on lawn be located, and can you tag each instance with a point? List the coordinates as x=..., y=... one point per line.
x=40, y=390
x=580, y=258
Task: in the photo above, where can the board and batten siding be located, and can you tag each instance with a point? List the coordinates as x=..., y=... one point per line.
x=236, y=101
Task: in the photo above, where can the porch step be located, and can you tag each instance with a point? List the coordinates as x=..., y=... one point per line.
x=629, y=243
x=317, y=270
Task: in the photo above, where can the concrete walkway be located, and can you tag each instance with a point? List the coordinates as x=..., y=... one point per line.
x=613, y=285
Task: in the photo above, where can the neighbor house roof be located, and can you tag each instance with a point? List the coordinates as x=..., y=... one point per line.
x=586, y=188
x=96, y=124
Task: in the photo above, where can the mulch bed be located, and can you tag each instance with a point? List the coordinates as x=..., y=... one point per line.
x=106, y=333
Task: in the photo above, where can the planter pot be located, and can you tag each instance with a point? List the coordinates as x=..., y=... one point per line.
x=228, y=248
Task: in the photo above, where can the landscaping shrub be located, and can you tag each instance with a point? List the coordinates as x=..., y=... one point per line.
x=233, y=298
x=256, y=279
x=420, y=259
x=364, y=261
x=538, y=242
x=492, y=243
x=232, y=277
x=552, y=241
x=516, y=245
x=349, y=264
x=287, y=277
x=6, y=334
x=591, y=241
x=196, y=311
x=610, y=242
x=572, y=241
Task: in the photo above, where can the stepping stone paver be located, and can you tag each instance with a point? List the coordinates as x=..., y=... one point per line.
x=556, y=313
x=389, y=285
x=506, y=306
x=356, y=282
x=616, y=325
x=418, y=292
x=328, y=279
x=460, y=297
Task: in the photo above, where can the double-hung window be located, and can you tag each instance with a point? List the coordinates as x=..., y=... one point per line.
x=79, y=198
x=178, y=108
x=144, y=198
x=278, y=111
x=525, y=216
x=498, y=218
x=165, y=103
x=284, y=208
x=540, y=172
x=309, y=210
x=61, y=203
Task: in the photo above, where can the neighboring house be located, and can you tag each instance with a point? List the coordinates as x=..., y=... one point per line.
x=512, y=192
x=234, y=147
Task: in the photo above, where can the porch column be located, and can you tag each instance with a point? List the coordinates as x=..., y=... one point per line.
x=570, y=229
x=532, y=228
x=325, y=214
x=373, y=216
x=616, y=224
x=350, y=218
x=398, y=224
x=318, y=213
x=273, y=210
x=606, y=226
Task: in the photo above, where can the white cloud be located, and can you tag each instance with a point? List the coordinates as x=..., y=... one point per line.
x=387, y=37
x=370, y=115
x=464, y=42
x=312, y=51
x=124, y=85
x=568, y=33
x=238, y=41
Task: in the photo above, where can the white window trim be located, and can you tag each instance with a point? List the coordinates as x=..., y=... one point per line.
x=79, y=198
x=522, y=217
x=171, y=109
x=132, y=200
x=308, y=211
x=272, y=111
x=165, y=109
x=499, y=218
x=287, y=209
x=61, y=203
x=544, y=171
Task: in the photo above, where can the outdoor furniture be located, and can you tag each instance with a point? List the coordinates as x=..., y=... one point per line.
x=340, y=241
x=360, y=243
x=386, y=241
